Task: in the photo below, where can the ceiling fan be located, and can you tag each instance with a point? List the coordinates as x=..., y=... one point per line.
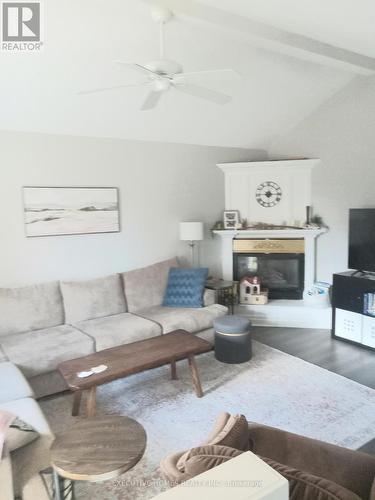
x=164, y=74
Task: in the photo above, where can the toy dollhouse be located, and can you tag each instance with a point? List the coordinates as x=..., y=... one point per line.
x=251, y=291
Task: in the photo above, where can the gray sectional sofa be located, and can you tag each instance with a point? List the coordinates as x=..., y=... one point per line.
x=45, y=324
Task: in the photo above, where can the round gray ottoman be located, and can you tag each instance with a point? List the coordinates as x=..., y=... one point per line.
x=232, y=339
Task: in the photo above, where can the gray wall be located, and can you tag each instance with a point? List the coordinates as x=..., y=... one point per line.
x=342, y=134
x=160, y=185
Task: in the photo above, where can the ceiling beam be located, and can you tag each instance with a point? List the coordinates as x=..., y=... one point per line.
x=271, y=38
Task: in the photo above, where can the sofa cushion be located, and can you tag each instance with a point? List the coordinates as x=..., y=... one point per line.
x=30, y=308
x=305, y=486
x=191, y=319
x=41, y=351
x=185, y=287
x=117, y=330
x=28, y=410
x=16, y=387
x=145, y=287
x=93, y=298
x=203, y=458
x=209, y=297
x=19, y=434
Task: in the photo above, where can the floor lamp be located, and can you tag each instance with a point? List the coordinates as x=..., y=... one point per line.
x=192, y=232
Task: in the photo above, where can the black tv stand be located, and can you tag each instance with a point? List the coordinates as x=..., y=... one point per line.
x=349, y=322
x=354, y=273
x=363, y=274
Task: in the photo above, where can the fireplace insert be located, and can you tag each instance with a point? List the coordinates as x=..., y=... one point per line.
x=280, y=264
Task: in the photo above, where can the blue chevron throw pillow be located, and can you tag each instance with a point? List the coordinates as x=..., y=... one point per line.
x=185, y=287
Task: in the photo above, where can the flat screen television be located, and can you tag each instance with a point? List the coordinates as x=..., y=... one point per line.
x=362, y=239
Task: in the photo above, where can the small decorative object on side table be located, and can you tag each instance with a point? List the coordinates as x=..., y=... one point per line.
x=251, y=291
x=226, y=292
x=97, y=449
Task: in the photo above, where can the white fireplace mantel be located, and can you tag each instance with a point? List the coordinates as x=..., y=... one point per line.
x=309, y=235
x=242, y=180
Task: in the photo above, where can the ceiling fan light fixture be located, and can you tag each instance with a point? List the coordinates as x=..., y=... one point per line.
x=161, y=14
x=164, y=67
x=164, y=74
x=161, y=85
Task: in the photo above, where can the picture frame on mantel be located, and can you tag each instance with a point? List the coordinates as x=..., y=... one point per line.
x=231, y=219
x=61, y=211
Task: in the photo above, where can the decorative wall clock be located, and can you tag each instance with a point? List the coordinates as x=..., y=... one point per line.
x=268, y=194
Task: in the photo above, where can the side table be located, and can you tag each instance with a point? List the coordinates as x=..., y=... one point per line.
x=97, y=449
x=226, y=292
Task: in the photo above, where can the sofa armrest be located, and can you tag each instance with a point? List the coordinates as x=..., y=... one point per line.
x=209, y=297
x=353, y=470
x=6, y=478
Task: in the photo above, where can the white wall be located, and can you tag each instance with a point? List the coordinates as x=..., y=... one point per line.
x=342, y=134
x=160, y=185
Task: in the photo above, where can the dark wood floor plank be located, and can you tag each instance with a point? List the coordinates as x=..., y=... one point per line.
x=317, y=347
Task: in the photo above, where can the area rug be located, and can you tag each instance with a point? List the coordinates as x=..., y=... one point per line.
x=273, y=388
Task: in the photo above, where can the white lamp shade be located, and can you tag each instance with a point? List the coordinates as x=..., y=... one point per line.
x=191, y=231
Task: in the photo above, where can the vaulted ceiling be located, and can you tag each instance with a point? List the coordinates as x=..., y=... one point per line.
x=286, y=74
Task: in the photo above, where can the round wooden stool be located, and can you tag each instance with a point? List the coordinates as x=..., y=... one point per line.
x=97, y=449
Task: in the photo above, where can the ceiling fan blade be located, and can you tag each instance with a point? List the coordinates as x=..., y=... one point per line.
x=138, y=67
x=114, y=87
x=151, y=100
x=203, y=93
x=223, y=73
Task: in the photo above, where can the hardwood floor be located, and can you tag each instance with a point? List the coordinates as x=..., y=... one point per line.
x=317, y=347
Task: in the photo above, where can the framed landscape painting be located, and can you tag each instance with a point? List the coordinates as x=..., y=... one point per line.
x=54, y=211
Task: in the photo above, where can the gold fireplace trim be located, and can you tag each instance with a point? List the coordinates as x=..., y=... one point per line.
x=269, y=246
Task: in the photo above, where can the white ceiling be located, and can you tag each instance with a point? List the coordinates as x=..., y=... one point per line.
x=38, y=91
x=348, y=24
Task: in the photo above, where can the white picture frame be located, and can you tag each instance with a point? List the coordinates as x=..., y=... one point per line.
x=60, y=211
x=231, y=219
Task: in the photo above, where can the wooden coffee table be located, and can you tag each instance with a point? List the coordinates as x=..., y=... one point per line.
x=133, y=358
x=96, y=449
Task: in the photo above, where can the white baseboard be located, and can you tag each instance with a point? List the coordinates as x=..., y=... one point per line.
x=287, y=313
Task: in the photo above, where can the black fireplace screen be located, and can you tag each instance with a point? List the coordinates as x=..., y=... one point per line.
x=282, y=274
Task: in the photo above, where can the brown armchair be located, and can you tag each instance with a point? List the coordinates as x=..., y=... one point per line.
x=349, y=469
x=314, y=469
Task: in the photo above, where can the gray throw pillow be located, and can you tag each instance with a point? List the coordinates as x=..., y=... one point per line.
x=19, y=434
